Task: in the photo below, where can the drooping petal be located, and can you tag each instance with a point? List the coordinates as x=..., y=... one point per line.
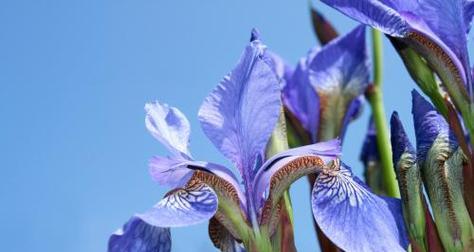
x=191, y=205
x=170, y=171
x=169, y=126
x=240, y=114
x=429, y=125
x=374, y=13
x=138, y=236
x=354, y=218
x=286, y=167
x=339, y=73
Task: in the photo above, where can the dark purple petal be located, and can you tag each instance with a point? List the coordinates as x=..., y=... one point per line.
x=301, y=99
x=354, y=218
x=374, y=13
x=353, y=112
x=399, y=139
x=339, y=73
x=429, y=125
x=169, y=126
x=468, y=13
x=369, y=148
x=241, y=113
x=138, y=236
x=187, y=206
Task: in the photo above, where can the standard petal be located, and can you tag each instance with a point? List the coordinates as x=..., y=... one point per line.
x=191, y=205
x=169, y=126
x=138, y=236
x=301, y=99
x=240, y=114
x=374, y=13
x=339, y=73
x=354, y=218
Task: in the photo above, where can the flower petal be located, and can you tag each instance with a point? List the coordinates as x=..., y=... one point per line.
x=187, y=206
x=222, y=238
x=169, y=171
x=374, y=13
x=286, y=167
x=169, y=126
x=339, y=73
x=354, y=218
x=301, y=99
x=138, y=236
x=240, y=114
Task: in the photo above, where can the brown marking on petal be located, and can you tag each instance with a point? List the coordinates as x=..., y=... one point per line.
x=428, y=45
x=220, y=186
x=225, y=192
x=280, y=181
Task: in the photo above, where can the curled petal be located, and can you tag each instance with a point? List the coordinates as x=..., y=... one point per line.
x=191, y=205
x=277, y=174
x=354, y=218
x=240, y=114
x=138, y=236
x=169, y=126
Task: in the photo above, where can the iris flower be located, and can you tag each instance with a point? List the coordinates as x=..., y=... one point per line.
x=239, y=117
x=437, y=29
x=325, y=91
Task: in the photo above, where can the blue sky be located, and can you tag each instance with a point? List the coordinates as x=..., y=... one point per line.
x=75, y=76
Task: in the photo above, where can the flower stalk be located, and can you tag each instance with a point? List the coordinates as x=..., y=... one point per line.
x=375, y=97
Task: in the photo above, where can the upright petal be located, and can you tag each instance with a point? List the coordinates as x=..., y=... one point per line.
x=374, y=13
x=301, y=99
x=138, y=236
x=191, y=205
x=169, y=126
x=339, y=73
x=354, y=218
x=240, y=114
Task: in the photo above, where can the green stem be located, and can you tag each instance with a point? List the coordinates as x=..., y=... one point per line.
x=376, y=102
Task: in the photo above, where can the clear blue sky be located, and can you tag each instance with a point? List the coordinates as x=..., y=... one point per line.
x=73, y=82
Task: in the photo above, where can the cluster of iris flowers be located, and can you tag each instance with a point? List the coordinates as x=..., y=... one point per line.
x=277, y=124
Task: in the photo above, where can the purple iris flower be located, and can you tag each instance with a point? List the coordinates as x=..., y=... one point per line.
x=239, y=117
x=436, y=28
x=325, y=91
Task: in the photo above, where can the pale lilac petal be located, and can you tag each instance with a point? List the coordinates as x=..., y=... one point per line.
x=241, y=113
x=183, y=207
x=169, y=126
x=138, y=236
x=170, y=171
x=176, y=172
x=354, y=218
